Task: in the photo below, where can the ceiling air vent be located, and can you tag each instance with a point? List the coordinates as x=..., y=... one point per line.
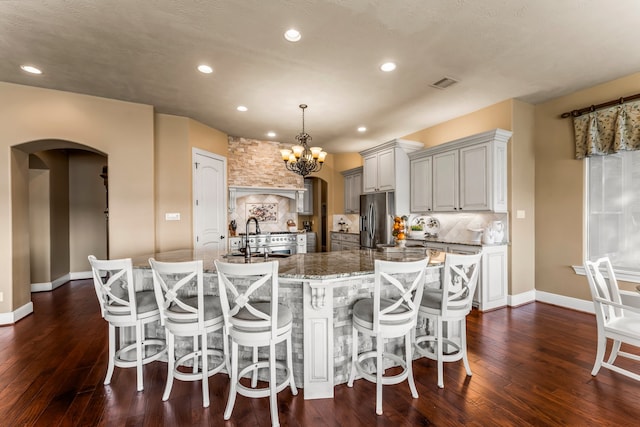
x=444, y=83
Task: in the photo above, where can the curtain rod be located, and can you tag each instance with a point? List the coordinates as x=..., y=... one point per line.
x=620, y=101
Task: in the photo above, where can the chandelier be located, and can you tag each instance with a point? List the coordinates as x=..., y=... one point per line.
x=302, y=159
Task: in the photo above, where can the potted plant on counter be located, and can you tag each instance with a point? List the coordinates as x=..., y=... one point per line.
x=417, y=229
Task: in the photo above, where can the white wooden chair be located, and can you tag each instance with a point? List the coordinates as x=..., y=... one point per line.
x=616, y=321
x=124, y=307
x=187, y=312
x=254, y=322
x=448, y=307
x=392, y=312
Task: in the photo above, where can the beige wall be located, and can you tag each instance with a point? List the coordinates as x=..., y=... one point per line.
x=175, y=137
x=56, y=243
x=521, y=164
x=122, y=130
x=39, y=226
x=87, y=202
x=560, y=189
x=208, y=139
x=492, y=117
x=172, y=182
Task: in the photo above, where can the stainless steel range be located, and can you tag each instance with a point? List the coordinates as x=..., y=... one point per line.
x=281, y=242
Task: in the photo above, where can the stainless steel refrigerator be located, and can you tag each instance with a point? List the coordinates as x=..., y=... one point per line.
x=376, y=217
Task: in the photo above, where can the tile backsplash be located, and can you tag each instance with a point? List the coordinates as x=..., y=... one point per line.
x=453, y=226
x=280, y=210
x=351, y=221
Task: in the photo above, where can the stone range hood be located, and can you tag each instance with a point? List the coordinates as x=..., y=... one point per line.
x=296, y=194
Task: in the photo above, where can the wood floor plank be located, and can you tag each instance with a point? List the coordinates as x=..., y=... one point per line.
x=531, y=366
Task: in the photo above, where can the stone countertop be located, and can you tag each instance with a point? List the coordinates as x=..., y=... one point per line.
x=311, y=266
x=345, y=232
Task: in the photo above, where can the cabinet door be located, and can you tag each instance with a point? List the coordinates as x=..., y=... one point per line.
x=445, y=181
x=308, y=198
x=421, y=185
x=386, y=170
x=356, y=191
x=352, y=191
x=370, y=174
x=475, y=182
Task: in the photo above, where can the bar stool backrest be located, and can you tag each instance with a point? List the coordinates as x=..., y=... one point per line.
x=113, y=282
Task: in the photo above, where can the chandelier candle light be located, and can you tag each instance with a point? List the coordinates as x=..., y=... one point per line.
x=301, y=159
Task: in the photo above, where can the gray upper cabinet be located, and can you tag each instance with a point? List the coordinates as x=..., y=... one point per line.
x=421, y=184
x=386, y=168
x=468, y=174
x=307, y=204
x=352, y=189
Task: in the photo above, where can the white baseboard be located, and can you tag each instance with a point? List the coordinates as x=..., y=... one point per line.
x=521, y=299
x=563, y=301
x=80, y=275
x=49, y=286
x=13, y=316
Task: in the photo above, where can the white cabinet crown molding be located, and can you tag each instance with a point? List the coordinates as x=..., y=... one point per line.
x=499, y=135
x=405, y=144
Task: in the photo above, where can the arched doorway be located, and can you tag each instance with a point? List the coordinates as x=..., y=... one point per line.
x=67, y=200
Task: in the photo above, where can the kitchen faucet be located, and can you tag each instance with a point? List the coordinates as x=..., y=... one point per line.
x=247, y=247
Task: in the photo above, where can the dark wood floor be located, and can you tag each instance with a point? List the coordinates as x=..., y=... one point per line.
x=531, y=366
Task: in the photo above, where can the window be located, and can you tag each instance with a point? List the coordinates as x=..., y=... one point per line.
x=613, y=209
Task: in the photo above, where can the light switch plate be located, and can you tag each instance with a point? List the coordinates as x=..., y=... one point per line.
x=520, y=214
x=172, y=217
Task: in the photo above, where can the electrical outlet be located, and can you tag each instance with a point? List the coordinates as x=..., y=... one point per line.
x=172, y=217
x=520, y=214
x=1, y=296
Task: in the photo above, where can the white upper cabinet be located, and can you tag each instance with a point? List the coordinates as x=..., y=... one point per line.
x=475, y=177
x=379, y=171
x=421, y=184
x=445, y=181
x=386, y=168
x=352, y=190
x=468, y=174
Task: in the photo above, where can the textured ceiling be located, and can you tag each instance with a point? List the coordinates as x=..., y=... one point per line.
x=146, y=51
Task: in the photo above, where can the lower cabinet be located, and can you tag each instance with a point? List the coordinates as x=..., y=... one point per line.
x=344, y=241
x=491, y=292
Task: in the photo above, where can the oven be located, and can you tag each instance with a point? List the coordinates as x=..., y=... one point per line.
x=283, y=243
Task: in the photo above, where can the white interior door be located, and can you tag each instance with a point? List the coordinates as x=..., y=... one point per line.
x=209, y=200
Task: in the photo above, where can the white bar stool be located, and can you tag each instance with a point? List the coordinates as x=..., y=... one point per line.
x=252, y=321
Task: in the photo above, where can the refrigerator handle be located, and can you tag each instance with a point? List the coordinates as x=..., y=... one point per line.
x=372, y=221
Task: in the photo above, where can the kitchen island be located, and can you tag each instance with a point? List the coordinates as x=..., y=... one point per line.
x=320, y=288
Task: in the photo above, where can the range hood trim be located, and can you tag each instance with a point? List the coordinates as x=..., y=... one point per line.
x=293, y=193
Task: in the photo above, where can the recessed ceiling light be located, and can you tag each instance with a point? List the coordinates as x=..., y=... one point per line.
x=31, y=69
x=205, y=69
x=271, y=134
x=388, y=66
x=362, y=129
x=242, y=108
x=292, y=35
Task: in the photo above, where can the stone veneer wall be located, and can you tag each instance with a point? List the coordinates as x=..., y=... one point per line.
x=257, y=163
